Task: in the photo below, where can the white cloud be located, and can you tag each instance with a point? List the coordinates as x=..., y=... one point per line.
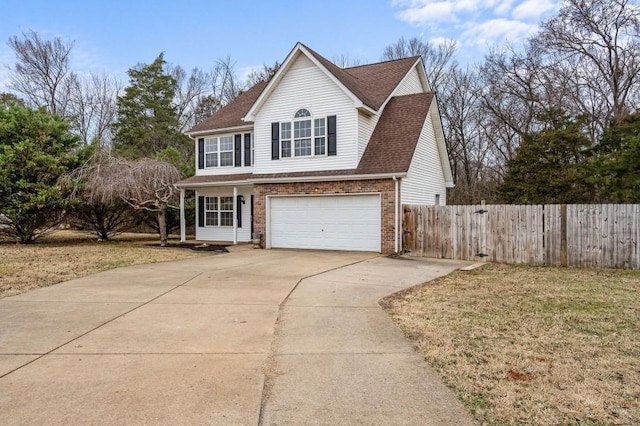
x=503, y=7
x=437, y=41
x=429, y=11
x=434, y=12
x=478, y=23
x=497, y=30
x=533, y=9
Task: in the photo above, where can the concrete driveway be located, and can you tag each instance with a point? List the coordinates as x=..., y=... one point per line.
x=250, y=337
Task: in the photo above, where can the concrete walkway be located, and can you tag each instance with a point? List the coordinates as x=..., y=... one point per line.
x=251, y=337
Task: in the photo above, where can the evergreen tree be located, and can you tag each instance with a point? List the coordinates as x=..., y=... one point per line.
x=36, y=149
x=616, y=165
x=550, y=166
x=148, y=120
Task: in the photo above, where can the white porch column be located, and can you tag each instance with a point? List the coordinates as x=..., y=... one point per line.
x=183, y=227
x=235, y=215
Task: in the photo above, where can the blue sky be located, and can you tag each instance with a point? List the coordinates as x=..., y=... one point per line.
x=112, y=36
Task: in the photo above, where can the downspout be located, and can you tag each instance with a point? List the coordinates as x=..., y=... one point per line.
x=396, y=216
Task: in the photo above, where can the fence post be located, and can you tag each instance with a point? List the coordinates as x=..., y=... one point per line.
x=563, y=235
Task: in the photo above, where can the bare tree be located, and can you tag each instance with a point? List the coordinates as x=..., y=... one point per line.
x=465, y=135
x=190, y=91
x=438, y=59
x=262, y=74
x=41, y=72
x=346, y=61
x=93, y=107
x=602, y=38
x=222, y=87
x=225, y=85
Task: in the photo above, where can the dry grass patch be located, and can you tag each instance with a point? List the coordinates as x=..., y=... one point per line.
x=532, y=345
x=64, y=255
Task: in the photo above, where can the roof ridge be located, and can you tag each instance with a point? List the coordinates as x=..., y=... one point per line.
x=380, y=62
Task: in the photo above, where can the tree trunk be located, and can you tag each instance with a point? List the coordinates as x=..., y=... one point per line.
x=162, y=224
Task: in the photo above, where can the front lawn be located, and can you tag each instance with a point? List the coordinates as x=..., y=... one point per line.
x=64, y=255
x=531, y=345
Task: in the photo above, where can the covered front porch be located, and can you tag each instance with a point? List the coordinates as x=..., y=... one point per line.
x=224, y=212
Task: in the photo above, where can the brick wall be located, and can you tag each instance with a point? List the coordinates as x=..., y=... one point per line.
x=385, y=187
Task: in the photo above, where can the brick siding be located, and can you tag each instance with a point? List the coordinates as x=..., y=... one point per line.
x=385, y=187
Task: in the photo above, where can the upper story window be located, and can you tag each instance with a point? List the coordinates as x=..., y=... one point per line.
x=304, y=136
x=225, y=151
x=218, y=151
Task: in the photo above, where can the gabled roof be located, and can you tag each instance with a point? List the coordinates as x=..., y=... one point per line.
x=389, y=151
x=396, y=135
x=231, y=114
x=371, y=83
x=369, y=86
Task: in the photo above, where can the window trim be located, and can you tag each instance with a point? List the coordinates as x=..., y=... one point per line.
x=231, y=152
x=218, y=211
x=218, y=152
x=301, y=115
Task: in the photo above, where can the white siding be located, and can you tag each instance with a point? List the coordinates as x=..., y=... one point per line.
x=225, y=233
x=366, y=125
x=228, y=170
x=425, y=177
x=410, y=84
x=306, y=86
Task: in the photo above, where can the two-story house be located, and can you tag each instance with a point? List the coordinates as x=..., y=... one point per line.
x=321, y=157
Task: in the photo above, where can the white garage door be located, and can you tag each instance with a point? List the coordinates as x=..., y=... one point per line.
x=336, y=222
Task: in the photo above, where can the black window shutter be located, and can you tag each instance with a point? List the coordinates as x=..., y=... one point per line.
x=247, y=149
x=201, y=211
x=239, y=210
x=275, y=141
x=331, y=133
x=238, y=151
x=201, y=153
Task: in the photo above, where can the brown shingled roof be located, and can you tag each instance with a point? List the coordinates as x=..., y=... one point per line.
x=394, y=139
x=197, y=180
x=231, y=114
x=390, y=149
x=380, y=79
x=372, y=84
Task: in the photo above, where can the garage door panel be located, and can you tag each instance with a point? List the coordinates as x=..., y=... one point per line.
x=350, y=222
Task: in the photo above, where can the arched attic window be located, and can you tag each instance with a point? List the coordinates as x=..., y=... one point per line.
x=303, y=112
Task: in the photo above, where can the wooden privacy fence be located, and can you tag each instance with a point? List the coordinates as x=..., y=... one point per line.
x=585, y=235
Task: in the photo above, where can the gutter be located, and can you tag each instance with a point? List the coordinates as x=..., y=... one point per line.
x=222, y=130
x=326, y=178
x=331, y=178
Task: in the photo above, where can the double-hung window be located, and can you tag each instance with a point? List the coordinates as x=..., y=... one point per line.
x=218, y=211
x=285, y=139
x=303, y=137
x=218, y=151
x=320, y=133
